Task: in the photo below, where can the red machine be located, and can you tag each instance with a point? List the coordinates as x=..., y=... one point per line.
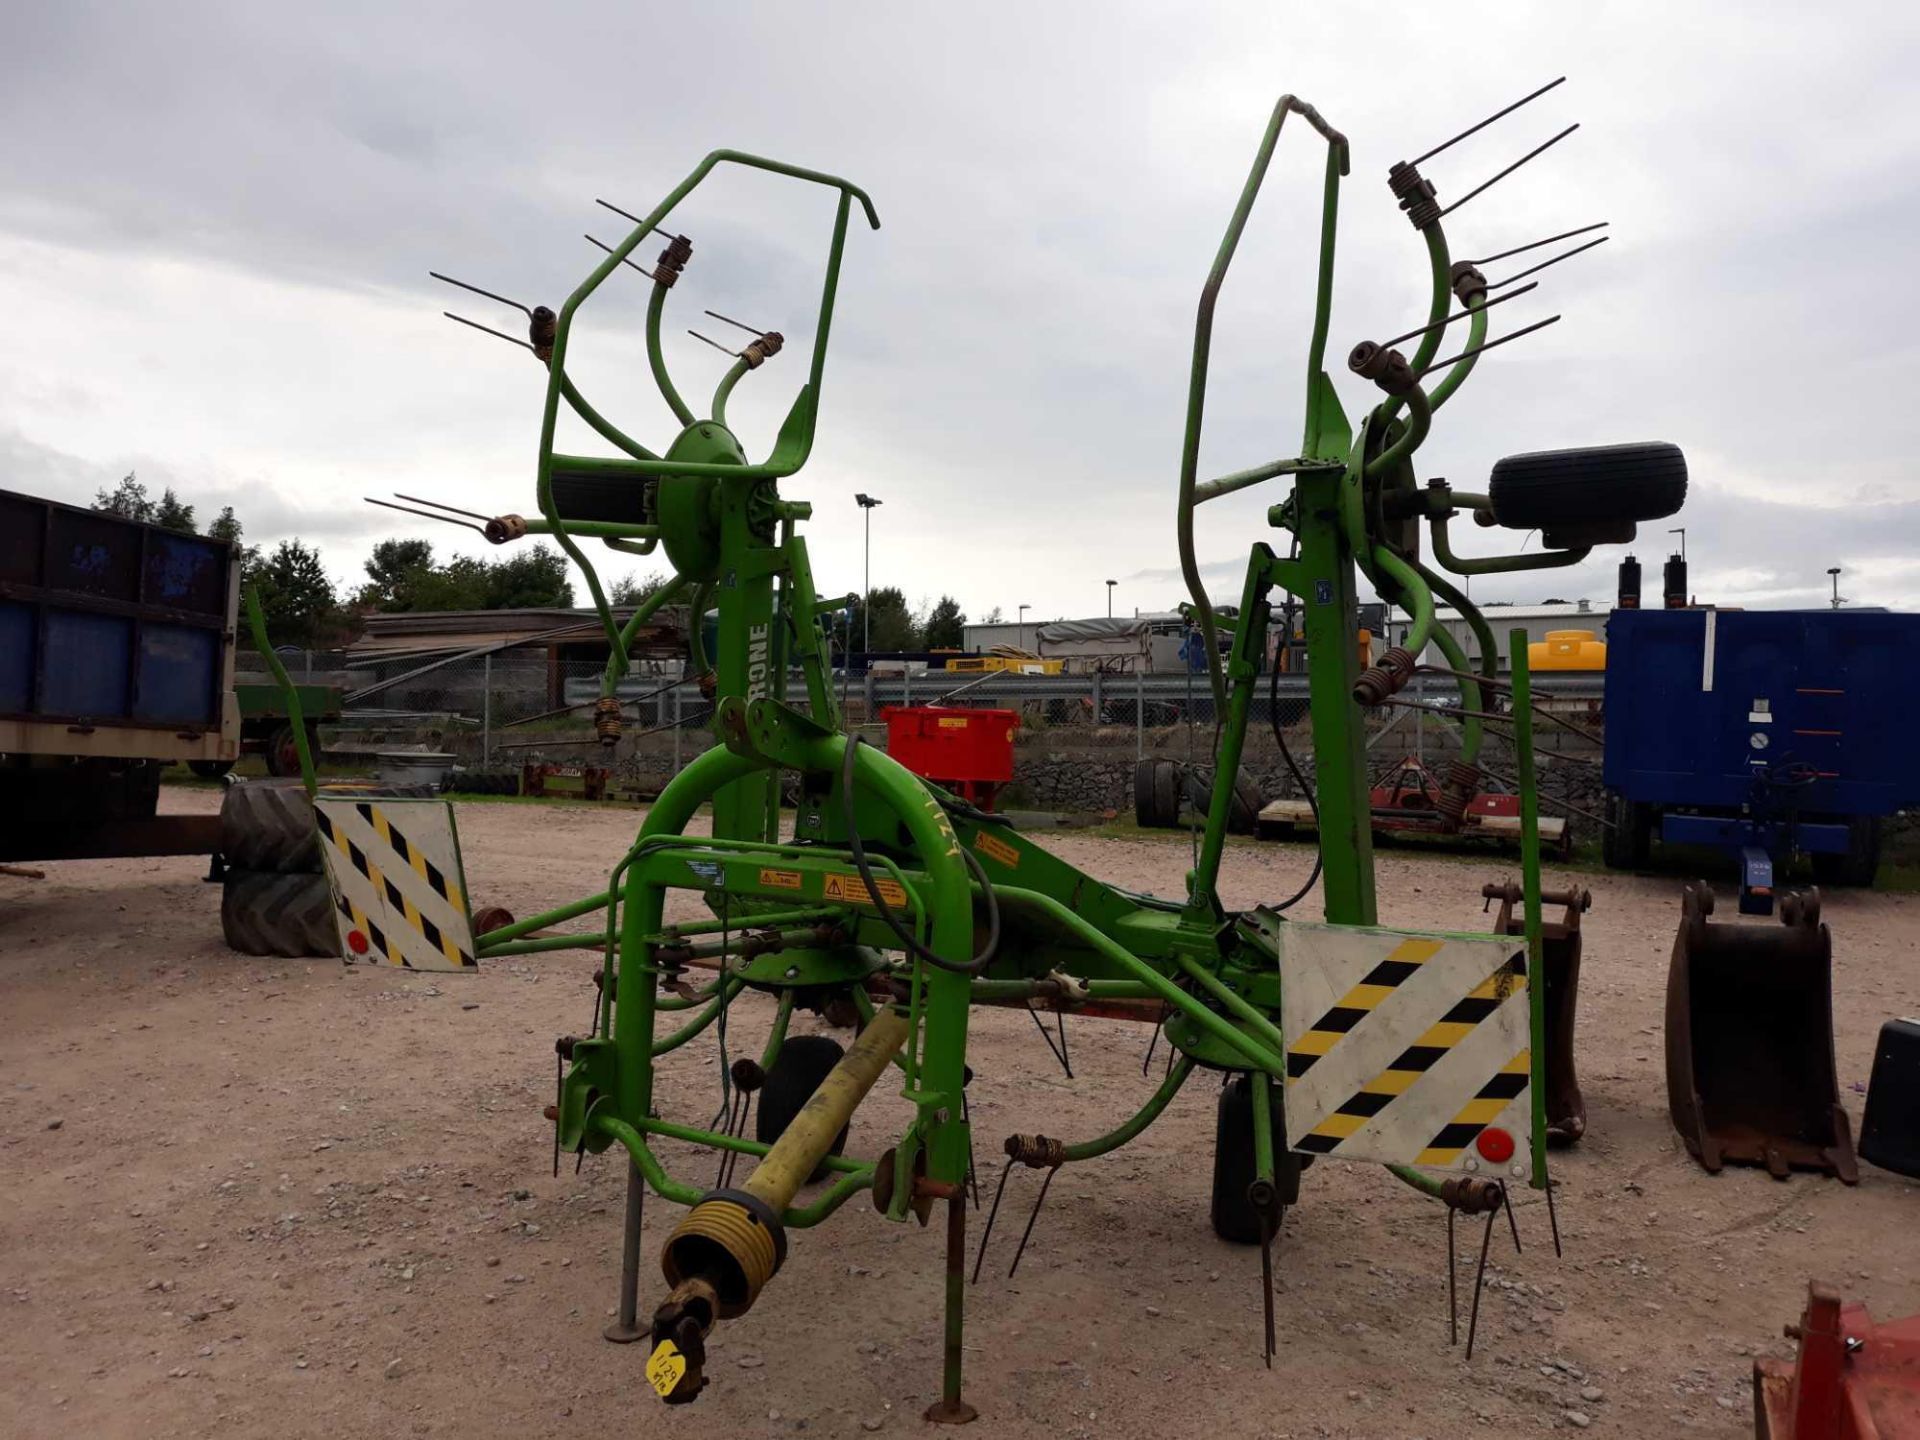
x=969, y=752
x=1853, y=1379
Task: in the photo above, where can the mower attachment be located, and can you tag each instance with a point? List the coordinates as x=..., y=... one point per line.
x=1750, y=1074
x=399, y=894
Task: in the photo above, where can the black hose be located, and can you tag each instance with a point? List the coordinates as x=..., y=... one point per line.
x=1280, y=738
x=907, y=942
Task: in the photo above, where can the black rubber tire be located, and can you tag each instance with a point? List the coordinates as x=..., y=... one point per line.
x=1233, y=1216
x=1145, y=813
x=267, y=825
x=270, y=913
x=210, y=769
x=1626, y=841
x=1595, y=484
x=1859, y=862
x=1166, y=793
x=1243, y=815
x=803, y=1062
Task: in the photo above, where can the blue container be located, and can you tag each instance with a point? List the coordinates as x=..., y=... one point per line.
x=105, y=621
x=1702, y=705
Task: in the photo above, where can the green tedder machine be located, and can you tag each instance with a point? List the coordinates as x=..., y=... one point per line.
x=893, y=902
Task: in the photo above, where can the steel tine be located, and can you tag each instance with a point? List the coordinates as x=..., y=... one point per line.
x=423, y=514
x=1479, y=1279
x=1497, y=115
x=449, y=280
x=987, y=1234
x=1027, y=1234
x=1453, y=359
x=1489, y=184
x=487, y=329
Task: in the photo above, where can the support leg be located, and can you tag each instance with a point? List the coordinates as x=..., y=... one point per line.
x=626, y=1327
x=950, y=1409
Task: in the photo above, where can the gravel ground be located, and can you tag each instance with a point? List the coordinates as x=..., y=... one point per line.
x=253, y=1197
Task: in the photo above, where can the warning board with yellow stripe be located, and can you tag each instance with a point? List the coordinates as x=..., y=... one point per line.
x=1407, y=1049
x=398, y=893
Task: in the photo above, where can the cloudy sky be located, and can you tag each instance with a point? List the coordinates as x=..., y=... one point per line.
x=216, y=223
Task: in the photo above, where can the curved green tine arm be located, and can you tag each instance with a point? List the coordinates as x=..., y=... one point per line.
x=1203, y=345
x=699, y=1022
x=1437, y=308
x=1148, y=1113
x=1457, y=373
x=604, y=427
x=656, y=306
x=1419, y=421
x=642, y=612
x=290, y=697
x=736, y=372
x=1413, y=593
x=1472, y=696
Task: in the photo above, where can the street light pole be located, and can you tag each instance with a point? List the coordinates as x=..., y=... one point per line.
x=1023, y=625
x=1834, y=571
x=1110, y=585
x=867, y=504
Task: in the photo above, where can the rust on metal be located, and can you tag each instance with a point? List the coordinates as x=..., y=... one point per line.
x=1560, y=945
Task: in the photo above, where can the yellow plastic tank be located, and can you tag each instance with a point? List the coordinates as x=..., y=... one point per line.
x=1568, y=650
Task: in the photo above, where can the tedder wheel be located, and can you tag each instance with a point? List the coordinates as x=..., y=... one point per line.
x=1595, y=485
x=210, y=769
x=267, y=825
x=803, y=1062
x=267, y=913
x=1234, y=1217
x=1626, y=841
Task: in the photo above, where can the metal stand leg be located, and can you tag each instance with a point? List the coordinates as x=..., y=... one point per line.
x=626, y=1327
x=950, y=1409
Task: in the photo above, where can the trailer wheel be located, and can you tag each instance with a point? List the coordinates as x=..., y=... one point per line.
x=1593, y=485
x=1233, y=1214
x=283, y=755
x=803, y=1062
x=1145, y=813
x=267, y=825
x=1859, y=862
x=1626, y=841
x=269, y=913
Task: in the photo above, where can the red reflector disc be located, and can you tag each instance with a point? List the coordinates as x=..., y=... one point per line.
x=357, y=943
x=1495, y=1144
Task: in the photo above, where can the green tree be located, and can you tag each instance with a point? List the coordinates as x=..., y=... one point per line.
x=295, y=594
x=129, y=499
x=945, y=625
x=170, y=514
x=395, y=572
x=226, y=526
x=632, y=589
x=536, y=577
x=893, y=622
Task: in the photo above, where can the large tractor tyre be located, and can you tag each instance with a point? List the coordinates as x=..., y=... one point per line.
x=1857, y=864
x=1626, y=840
x=1243, y=815
x=270, y=913
x=1233, y=1214
x=1596, y=485
x=1166, y=794
x=210, y=769
x=803, y=1062
x=267, y=825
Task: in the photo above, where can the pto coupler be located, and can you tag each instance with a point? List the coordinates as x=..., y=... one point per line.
x=725, y=1249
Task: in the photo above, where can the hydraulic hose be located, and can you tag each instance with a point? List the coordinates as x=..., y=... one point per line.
x=906, y=937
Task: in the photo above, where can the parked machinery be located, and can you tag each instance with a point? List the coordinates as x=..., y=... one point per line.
x=1423, y=1050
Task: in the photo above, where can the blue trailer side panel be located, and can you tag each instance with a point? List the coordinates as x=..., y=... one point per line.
x=1704, y=705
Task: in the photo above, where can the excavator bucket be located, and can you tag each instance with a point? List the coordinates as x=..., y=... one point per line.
x=1560, y=964
x=1750, y=1074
